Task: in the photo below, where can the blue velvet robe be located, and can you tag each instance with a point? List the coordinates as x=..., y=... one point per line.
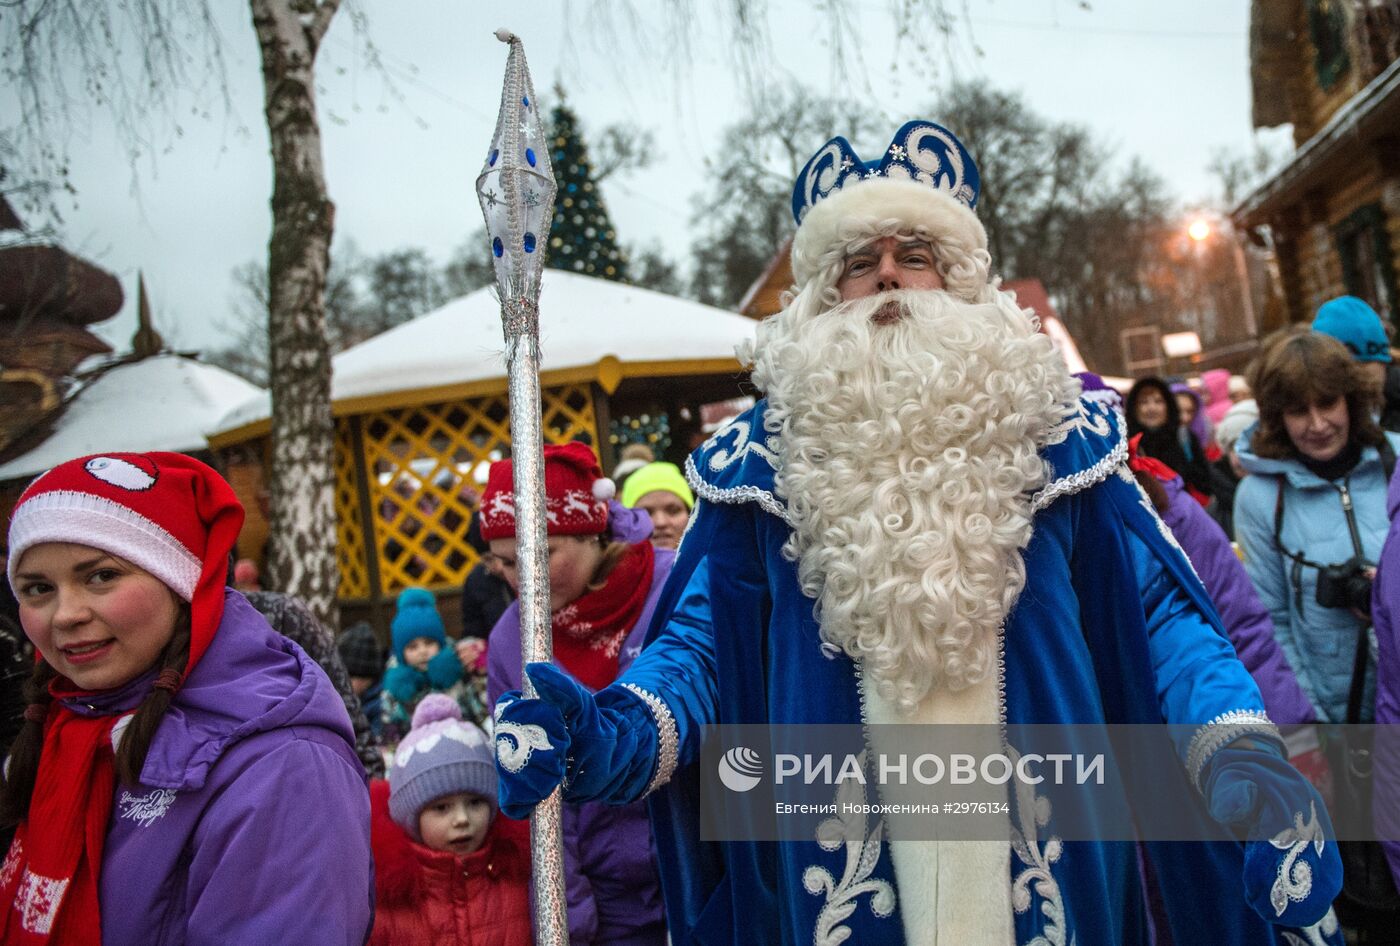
x=1110, y=617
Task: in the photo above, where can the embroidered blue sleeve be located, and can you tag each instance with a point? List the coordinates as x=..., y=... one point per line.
x=675, y=676
x=1200, y=680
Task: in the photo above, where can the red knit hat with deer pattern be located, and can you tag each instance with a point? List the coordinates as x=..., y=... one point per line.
x=576, y=494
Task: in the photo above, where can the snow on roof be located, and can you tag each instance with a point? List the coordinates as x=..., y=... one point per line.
x=582, y=321
x=165, y=402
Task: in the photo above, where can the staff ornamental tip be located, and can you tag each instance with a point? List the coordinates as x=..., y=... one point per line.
x=516, y=185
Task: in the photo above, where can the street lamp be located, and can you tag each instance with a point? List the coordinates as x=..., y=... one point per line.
x=1201, y=229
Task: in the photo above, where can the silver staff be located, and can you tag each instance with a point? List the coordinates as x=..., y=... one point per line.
x=516, y=189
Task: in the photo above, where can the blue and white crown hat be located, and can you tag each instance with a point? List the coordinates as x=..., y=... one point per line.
x=925, y=178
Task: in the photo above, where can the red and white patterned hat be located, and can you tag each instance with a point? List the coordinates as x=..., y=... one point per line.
x=576, y=494
x=166, y=513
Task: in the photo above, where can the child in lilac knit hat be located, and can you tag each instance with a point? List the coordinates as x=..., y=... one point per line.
x=442, y=787
x=446, y=869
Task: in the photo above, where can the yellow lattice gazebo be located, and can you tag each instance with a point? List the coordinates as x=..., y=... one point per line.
x=421, y=411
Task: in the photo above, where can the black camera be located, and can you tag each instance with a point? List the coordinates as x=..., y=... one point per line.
x=1345, y=585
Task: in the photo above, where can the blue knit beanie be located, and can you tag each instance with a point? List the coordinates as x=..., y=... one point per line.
x=416, y=616
x=441, y=755
x=1356, y=325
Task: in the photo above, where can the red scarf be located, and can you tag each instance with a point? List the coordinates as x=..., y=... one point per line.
x=1141, y=463
x=588, y=633
x=51, y=886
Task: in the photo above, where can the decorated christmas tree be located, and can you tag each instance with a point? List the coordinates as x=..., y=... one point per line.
x=581, y=239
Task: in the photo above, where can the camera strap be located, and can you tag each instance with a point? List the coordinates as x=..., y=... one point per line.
x=1358, y=676
x=1387, y=453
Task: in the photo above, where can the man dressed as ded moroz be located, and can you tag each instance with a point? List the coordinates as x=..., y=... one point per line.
x=924, y=522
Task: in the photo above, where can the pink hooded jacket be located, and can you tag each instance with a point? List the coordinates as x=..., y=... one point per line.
x=1216, y=383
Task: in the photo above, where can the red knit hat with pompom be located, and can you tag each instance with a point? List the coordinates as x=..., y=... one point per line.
x=576, y=494
x=166, y=513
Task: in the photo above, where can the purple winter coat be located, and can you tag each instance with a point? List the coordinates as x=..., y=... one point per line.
x=1245, y=616
x=251, y=822
x=1385, y=612
x=611, y=880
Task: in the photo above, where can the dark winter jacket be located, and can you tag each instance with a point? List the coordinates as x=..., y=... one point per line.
x=290, y=617
x=15, y=667
x=373, y=708
x=9, y=605
x=251, y=821
x=1222, y=503
x=1244, y=615
x=485, y=598
x=435, y=898
x=1390, y=409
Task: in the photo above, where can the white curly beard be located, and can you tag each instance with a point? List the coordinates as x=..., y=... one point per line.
x=909, y=453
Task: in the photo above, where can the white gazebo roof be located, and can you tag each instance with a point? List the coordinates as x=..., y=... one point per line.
x=587, y=325
x=165, y=402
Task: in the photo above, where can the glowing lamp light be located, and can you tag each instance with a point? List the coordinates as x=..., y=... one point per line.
x=1198, y=230
x=1181, y=344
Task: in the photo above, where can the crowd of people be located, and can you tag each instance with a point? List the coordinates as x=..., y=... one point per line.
x=175, y=628
x=1300, y=464
x=920, y=523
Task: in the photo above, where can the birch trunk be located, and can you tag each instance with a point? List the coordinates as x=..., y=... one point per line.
x=302, y=557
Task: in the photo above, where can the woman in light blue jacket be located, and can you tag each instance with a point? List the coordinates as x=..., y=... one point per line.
x=1316, y=497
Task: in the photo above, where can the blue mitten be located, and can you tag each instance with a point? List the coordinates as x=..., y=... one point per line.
x=532, y=744
x=1292, y=868
x=601, y=746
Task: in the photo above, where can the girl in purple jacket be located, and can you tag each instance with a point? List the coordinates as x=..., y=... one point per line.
x=185, y=774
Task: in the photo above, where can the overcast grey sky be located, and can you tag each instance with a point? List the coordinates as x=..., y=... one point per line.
x=1167, y=82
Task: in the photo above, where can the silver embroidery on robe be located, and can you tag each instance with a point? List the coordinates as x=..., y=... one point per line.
x=515, y=741
x=1033, y=813
x=1315, y=935
x=1294, y=880
x=862, y=854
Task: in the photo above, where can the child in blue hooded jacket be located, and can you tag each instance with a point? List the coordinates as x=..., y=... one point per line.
x=424, y=661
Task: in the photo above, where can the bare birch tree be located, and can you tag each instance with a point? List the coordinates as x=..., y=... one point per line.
x=298, y=254
x=47, y=43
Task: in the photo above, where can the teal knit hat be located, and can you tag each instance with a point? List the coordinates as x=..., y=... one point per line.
x=416, y=616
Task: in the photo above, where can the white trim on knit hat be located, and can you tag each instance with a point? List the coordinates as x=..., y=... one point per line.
x=87, y=519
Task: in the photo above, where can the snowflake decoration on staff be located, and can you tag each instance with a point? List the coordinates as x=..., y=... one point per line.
x=517, y=223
